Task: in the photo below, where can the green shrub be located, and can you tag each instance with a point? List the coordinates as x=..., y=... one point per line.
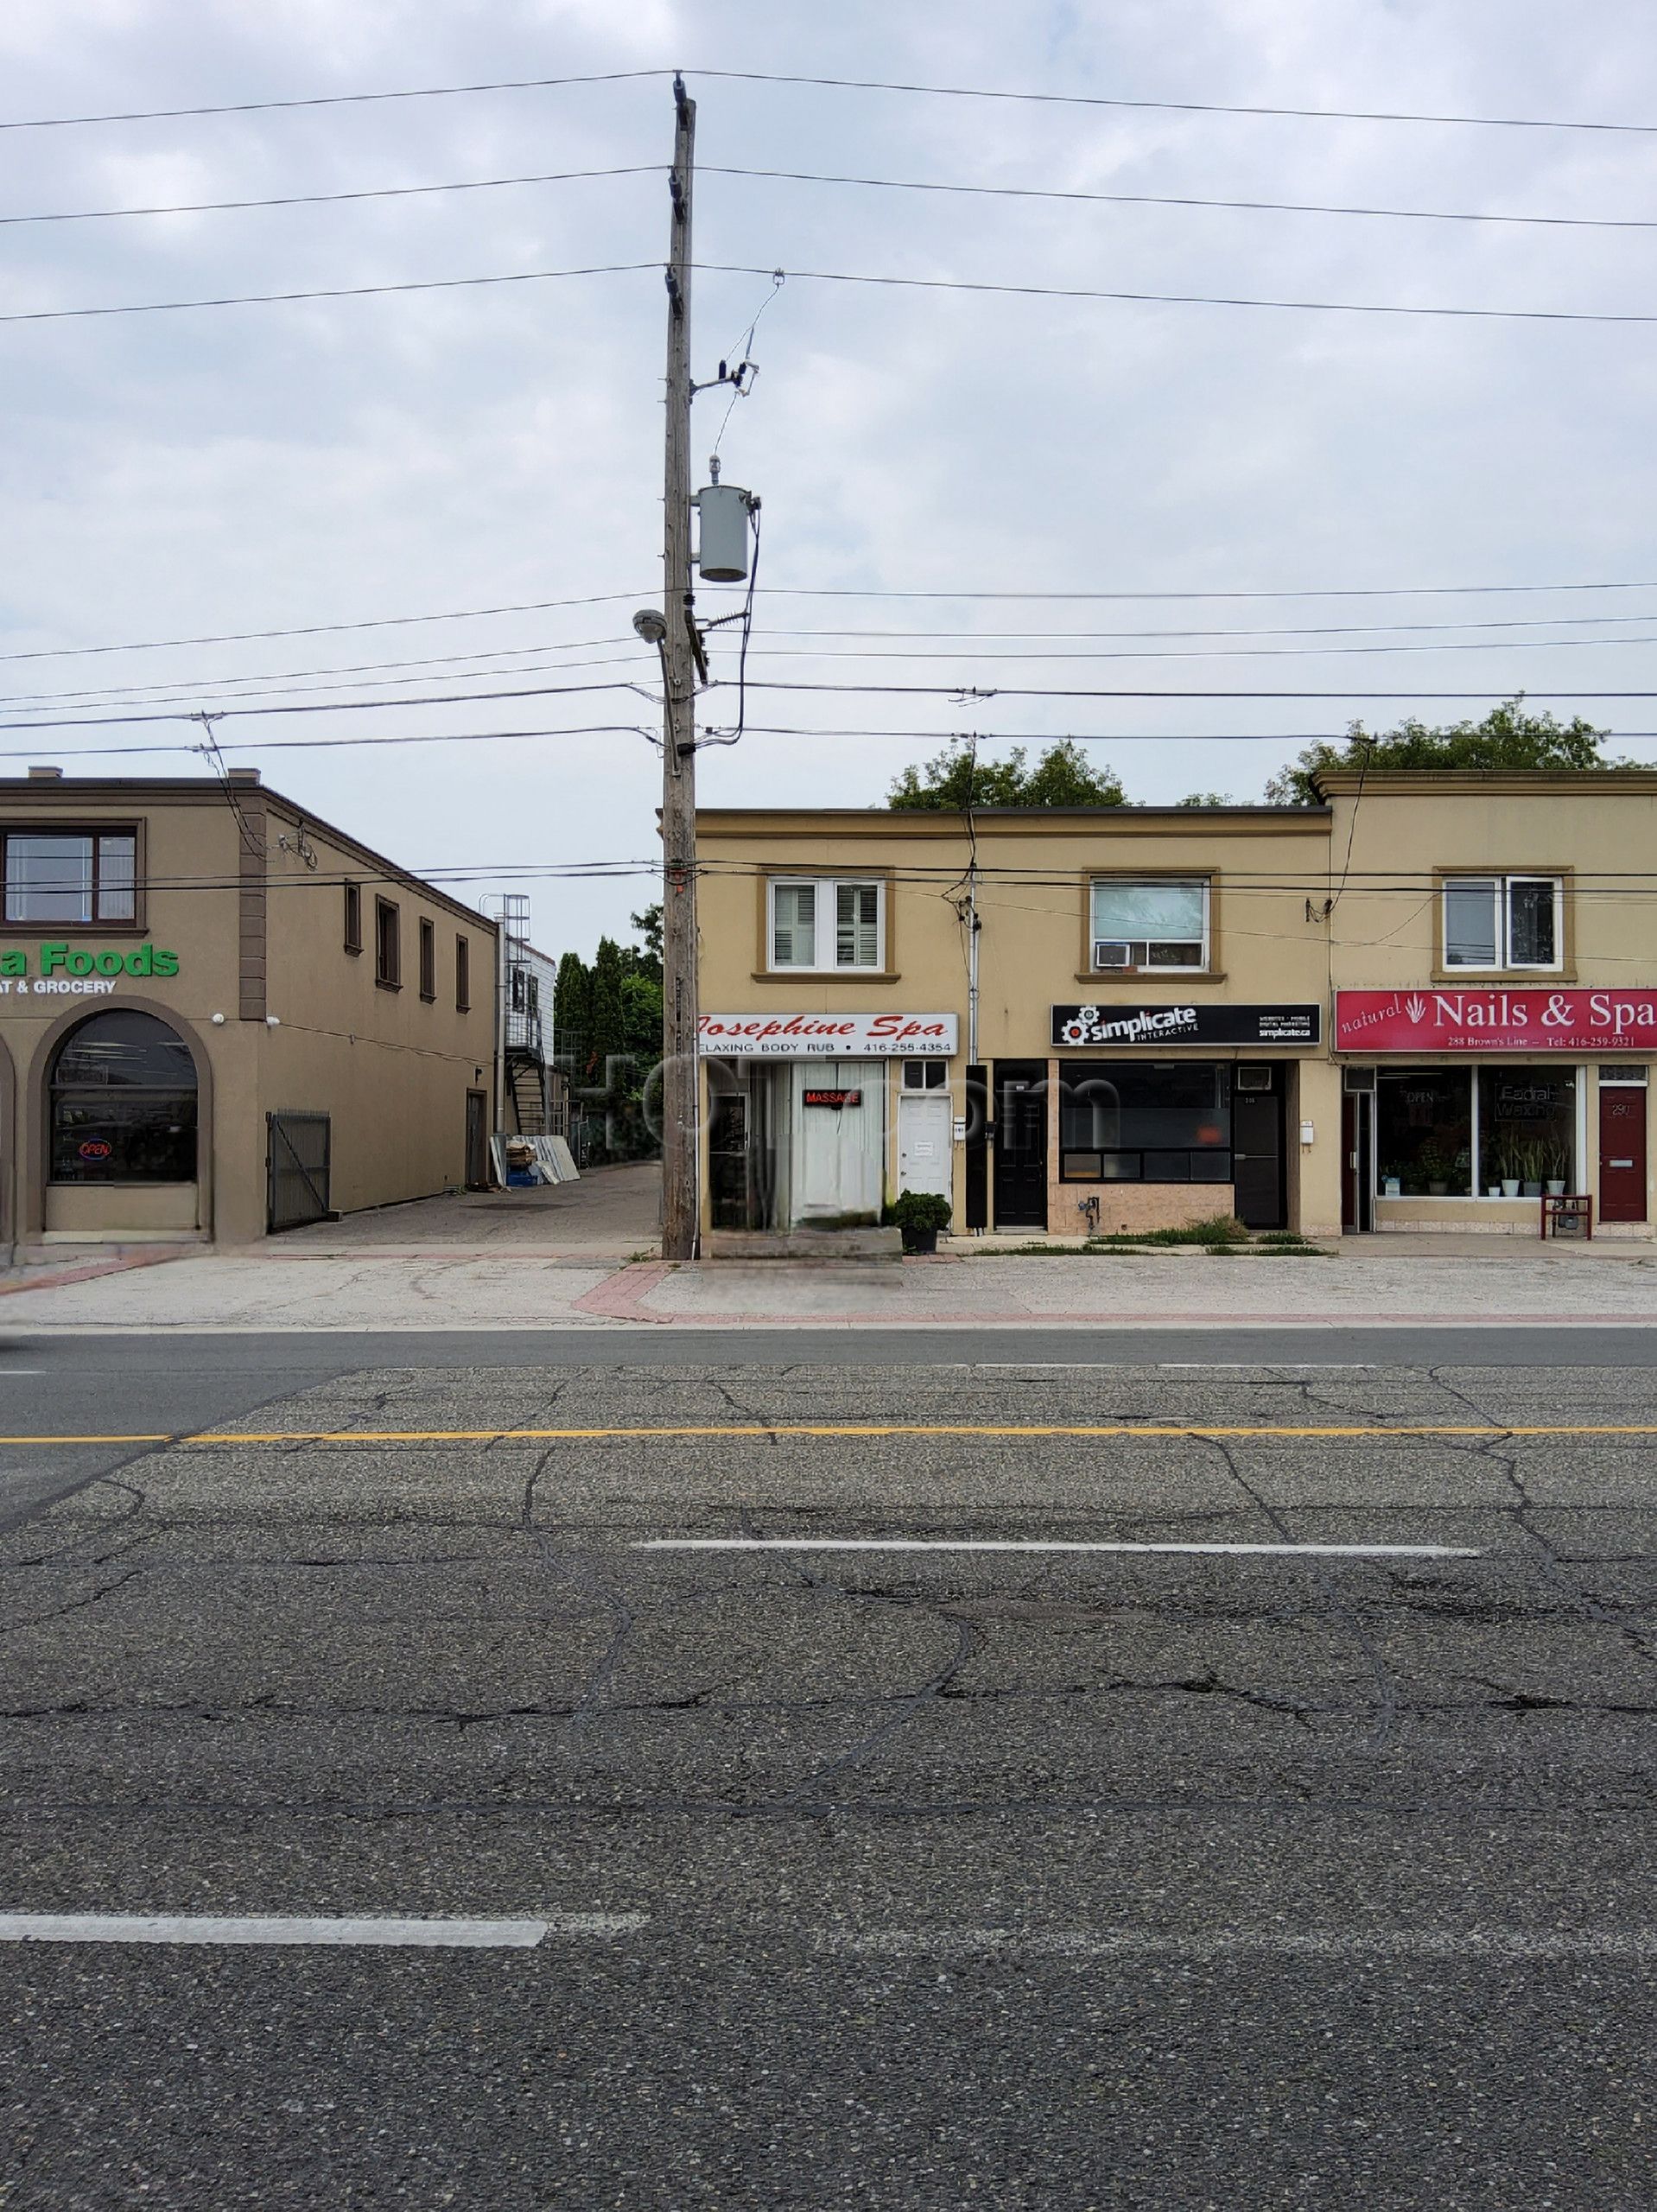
x=921, y=1210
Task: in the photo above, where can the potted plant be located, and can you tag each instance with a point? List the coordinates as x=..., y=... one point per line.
x=1507, y=1167
x=1558, y=1166
x=1434, y=1163
x=1391, y=1182
x=920, y=1215
x=1531, y=1160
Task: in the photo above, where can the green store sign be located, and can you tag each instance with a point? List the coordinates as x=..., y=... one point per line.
x=79, y=970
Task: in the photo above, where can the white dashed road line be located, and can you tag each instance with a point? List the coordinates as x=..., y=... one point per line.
x=420, y=1934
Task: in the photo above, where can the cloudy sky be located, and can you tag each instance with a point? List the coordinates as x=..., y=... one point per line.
x=335, y=467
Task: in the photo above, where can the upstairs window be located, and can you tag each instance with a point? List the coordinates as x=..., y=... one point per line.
x=1150, y=922
x=353, y=917
x=56, y=875
x=388, y=945
x=827, y=923
x=427, y=959
x=462, y=975
x=1503, y=921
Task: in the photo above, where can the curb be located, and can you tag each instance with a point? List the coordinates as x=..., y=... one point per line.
x=93, y=1269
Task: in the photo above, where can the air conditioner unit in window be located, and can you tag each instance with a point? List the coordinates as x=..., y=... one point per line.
x=1254, y=1078
x=1108, y=954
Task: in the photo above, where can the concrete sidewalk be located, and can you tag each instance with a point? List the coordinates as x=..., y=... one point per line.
x=290, y=1286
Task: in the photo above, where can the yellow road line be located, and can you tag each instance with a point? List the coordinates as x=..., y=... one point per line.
x=849, y=1429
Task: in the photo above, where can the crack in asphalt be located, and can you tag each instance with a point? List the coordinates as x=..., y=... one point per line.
x=1387, y=1700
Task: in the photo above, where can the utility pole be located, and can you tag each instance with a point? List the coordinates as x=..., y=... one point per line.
x=680, y=1091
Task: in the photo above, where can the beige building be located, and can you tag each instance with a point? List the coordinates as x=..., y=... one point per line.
x=1426, y=1003
x=218, y=1015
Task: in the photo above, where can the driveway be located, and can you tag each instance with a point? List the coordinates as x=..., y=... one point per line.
x=612, y=1213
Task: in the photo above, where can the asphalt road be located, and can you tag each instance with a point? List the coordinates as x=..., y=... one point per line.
x=1239, y=1871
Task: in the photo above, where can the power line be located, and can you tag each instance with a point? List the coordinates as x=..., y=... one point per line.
x=1151, y=299
x=1152, y=200
x=1102, y=737
x=327, y=99
x=1020, y=692
x=804, y=591
x=1201, y=652
x=197, y=687
x=1318, y=630
x=831, y=276
x=1315, y=591
x=402, y=621
x=821, y=176
x=337, y=292
x=199, y=684
x=331, y=199
x=187, y=689
x=357, y=706
x=329, y=744
x=832, y=84
x=931, y=737
x=1174, y=107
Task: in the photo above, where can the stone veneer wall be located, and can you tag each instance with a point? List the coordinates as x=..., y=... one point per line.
x=1136, y=1205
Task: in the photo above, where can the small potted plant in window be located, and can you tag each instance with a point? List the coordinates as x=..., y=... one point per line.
x=1558, y=1164
x=1433, y=1162
x=920, y=1215
x=1508, y=1164
x=1532, y=1160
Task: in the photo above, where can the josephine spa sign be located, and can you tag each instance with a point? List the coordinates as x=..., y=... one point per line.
x=1495, y=1021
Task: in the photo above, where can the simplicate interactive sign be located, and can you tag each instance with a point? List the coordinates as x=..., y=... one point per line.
x=1185, y=1025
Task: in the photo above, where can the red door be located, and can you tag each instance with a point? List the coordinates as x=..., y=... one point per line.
x=1622, y=1152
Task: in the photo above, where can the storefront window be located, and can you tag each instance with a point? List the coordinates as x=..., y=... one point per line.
x=1517, y=1121
x=1528, y=1129
x=1144, y=1122
x=124, y=1102
x=1423, y=1126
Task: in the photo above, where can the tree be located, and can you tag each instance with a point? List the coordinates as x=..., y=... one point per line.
x=570, y=992
x=1508, y=738
x=1206, y=799
x=606, y=1020
x=956, y=779
x=641, y=1021
x=645, y=960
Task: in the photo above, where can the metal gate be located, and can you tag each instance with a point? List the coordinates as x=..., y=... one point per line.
x=296, y=1168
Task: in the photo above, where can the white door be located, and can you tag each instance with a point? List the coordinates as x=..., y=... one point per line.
x=924, y=1162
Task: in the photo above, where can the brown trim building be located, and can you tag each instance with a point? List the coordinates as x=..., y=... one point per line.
x=198, y=1038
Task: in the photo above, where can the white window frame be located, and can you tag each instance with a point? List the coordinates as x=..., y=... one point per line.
x=1501, y=889
x=1146, y=967
x=826, y=926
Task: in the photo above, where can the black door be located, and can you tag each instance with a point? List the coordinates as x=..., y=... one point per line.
x=1021, y=1144
x=728, y=1160
x=477, y=1140
x=1257, y=1149
x=978, y=1121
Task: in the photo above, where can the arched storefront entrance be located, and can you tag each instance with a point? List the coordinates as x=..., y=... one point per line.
x=122, y=1134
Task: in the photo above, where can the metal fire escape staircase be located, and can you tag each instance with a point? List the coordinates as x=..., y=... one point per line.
x=525, y=1105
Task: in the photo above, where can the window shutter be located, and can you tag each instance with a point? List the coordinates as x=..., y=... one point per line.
x=857, y=926
x=794, y=934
